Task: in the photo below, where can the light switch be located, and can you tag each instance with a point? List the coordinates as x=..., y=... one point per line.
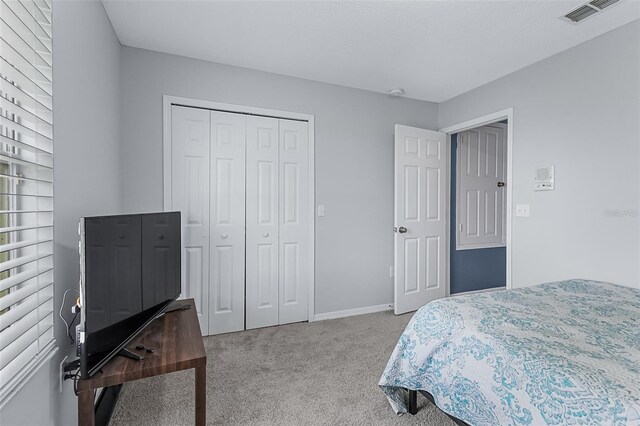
x=522, y=210
x=320, y=210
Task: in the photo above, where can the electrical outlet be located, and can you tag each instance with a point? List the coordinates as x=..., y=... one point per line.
x=62, y=373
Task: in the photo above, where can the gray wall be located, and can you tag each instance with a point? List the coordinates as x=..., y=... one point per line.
x=353, y=159
x=86, y=88
x=578, y=110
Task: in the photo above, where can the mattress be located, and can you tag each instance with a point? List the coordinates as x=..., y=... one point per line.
x=558, y=353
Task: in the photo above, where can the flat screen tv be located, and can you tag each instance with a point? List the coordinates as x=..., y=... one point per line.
x=129, y=274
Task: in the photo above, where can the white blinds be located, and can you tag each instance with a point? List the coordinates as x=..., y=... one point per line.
x=26, y=190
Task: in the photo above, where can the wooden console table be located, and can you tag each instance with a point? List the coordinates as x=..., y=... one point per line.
x=178, y=344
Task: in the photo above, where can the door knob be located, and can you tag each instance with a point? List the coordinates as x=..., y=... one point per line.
x=225, y=236
x=266, y=235
x=500, y=184
x=402, y=230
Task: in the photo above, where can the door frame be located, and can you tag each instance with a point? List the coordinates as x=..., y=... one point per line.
x=169, y=100
x=467, y=125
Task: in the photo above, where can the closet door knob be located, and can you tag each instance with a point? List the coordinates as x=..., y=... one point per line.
x=266, y=235
x=225, y=236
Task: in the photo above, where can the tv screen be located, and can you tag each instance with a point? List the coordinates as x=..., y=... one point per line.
x=130, y=273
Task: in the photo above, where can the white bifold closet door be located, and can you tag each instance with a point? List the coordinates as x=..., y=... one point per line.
x=227, y=218
x=262, y=222
x=277, y=222
x=294, y=223
x=241, y=183
x=190, y=143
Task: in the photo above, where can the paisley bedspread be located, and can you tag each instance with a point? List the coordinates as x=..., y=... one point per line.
x=552, y=354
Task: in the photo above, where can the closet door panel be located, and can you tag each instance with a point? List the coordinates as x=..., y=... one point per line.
x=190, y=140
x=262, y=222
x=227, y=217
x=294, y=221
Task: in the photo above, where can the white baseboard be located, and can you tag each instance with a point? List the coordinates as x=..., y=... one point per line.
x=352, y=312
x=479, y=291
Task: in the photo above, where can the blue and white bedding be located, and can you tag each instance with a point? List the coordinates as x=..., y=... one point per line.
x=557, y=353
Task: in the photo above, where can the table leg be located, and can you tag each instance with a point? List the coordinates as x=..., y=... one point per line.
x=86, y=408
x=201, y=395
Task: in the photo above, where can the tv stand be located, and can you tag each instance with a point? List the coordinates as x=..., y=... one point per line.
x=131, y=355
x=178, y=344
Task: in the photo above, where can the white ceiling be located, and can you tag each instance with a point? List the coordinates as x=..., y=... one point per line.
x=435, y=50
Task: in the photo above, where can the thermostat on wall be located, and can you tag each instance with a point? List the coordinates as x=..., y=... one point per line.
x=544, y=178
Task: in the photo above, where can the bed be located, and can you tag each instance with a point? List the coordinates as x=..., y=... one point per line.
x=556, y=353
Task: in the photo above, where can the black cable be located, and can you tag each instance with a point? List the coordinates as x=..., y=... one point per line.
x=75, y=383
x=64, y=298
x=75, y=377
x=71, y=338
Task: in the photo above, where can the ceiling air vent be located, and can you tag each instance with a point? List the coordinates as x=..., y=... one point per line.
x=581, y=13
x=588, y=9
x=601, y=4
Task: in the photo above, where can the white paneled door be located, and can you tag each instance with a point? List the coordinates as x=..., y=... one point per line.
x=262, y=222
x=295, y=237
x=481, y=207
x=227, y=212
x=420, y=217
x=190, y=143
x=242, y=185
x=277, y=263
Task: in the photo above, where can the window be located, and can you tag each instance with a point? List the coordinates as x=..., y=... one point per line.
x=26, y=191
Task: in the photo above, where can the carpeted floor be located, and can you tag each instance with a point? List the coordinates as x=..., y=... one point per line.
x=321, y=373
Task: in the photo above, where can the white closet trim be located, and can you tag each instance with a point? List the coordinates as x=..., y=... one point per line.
x=168, y=101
